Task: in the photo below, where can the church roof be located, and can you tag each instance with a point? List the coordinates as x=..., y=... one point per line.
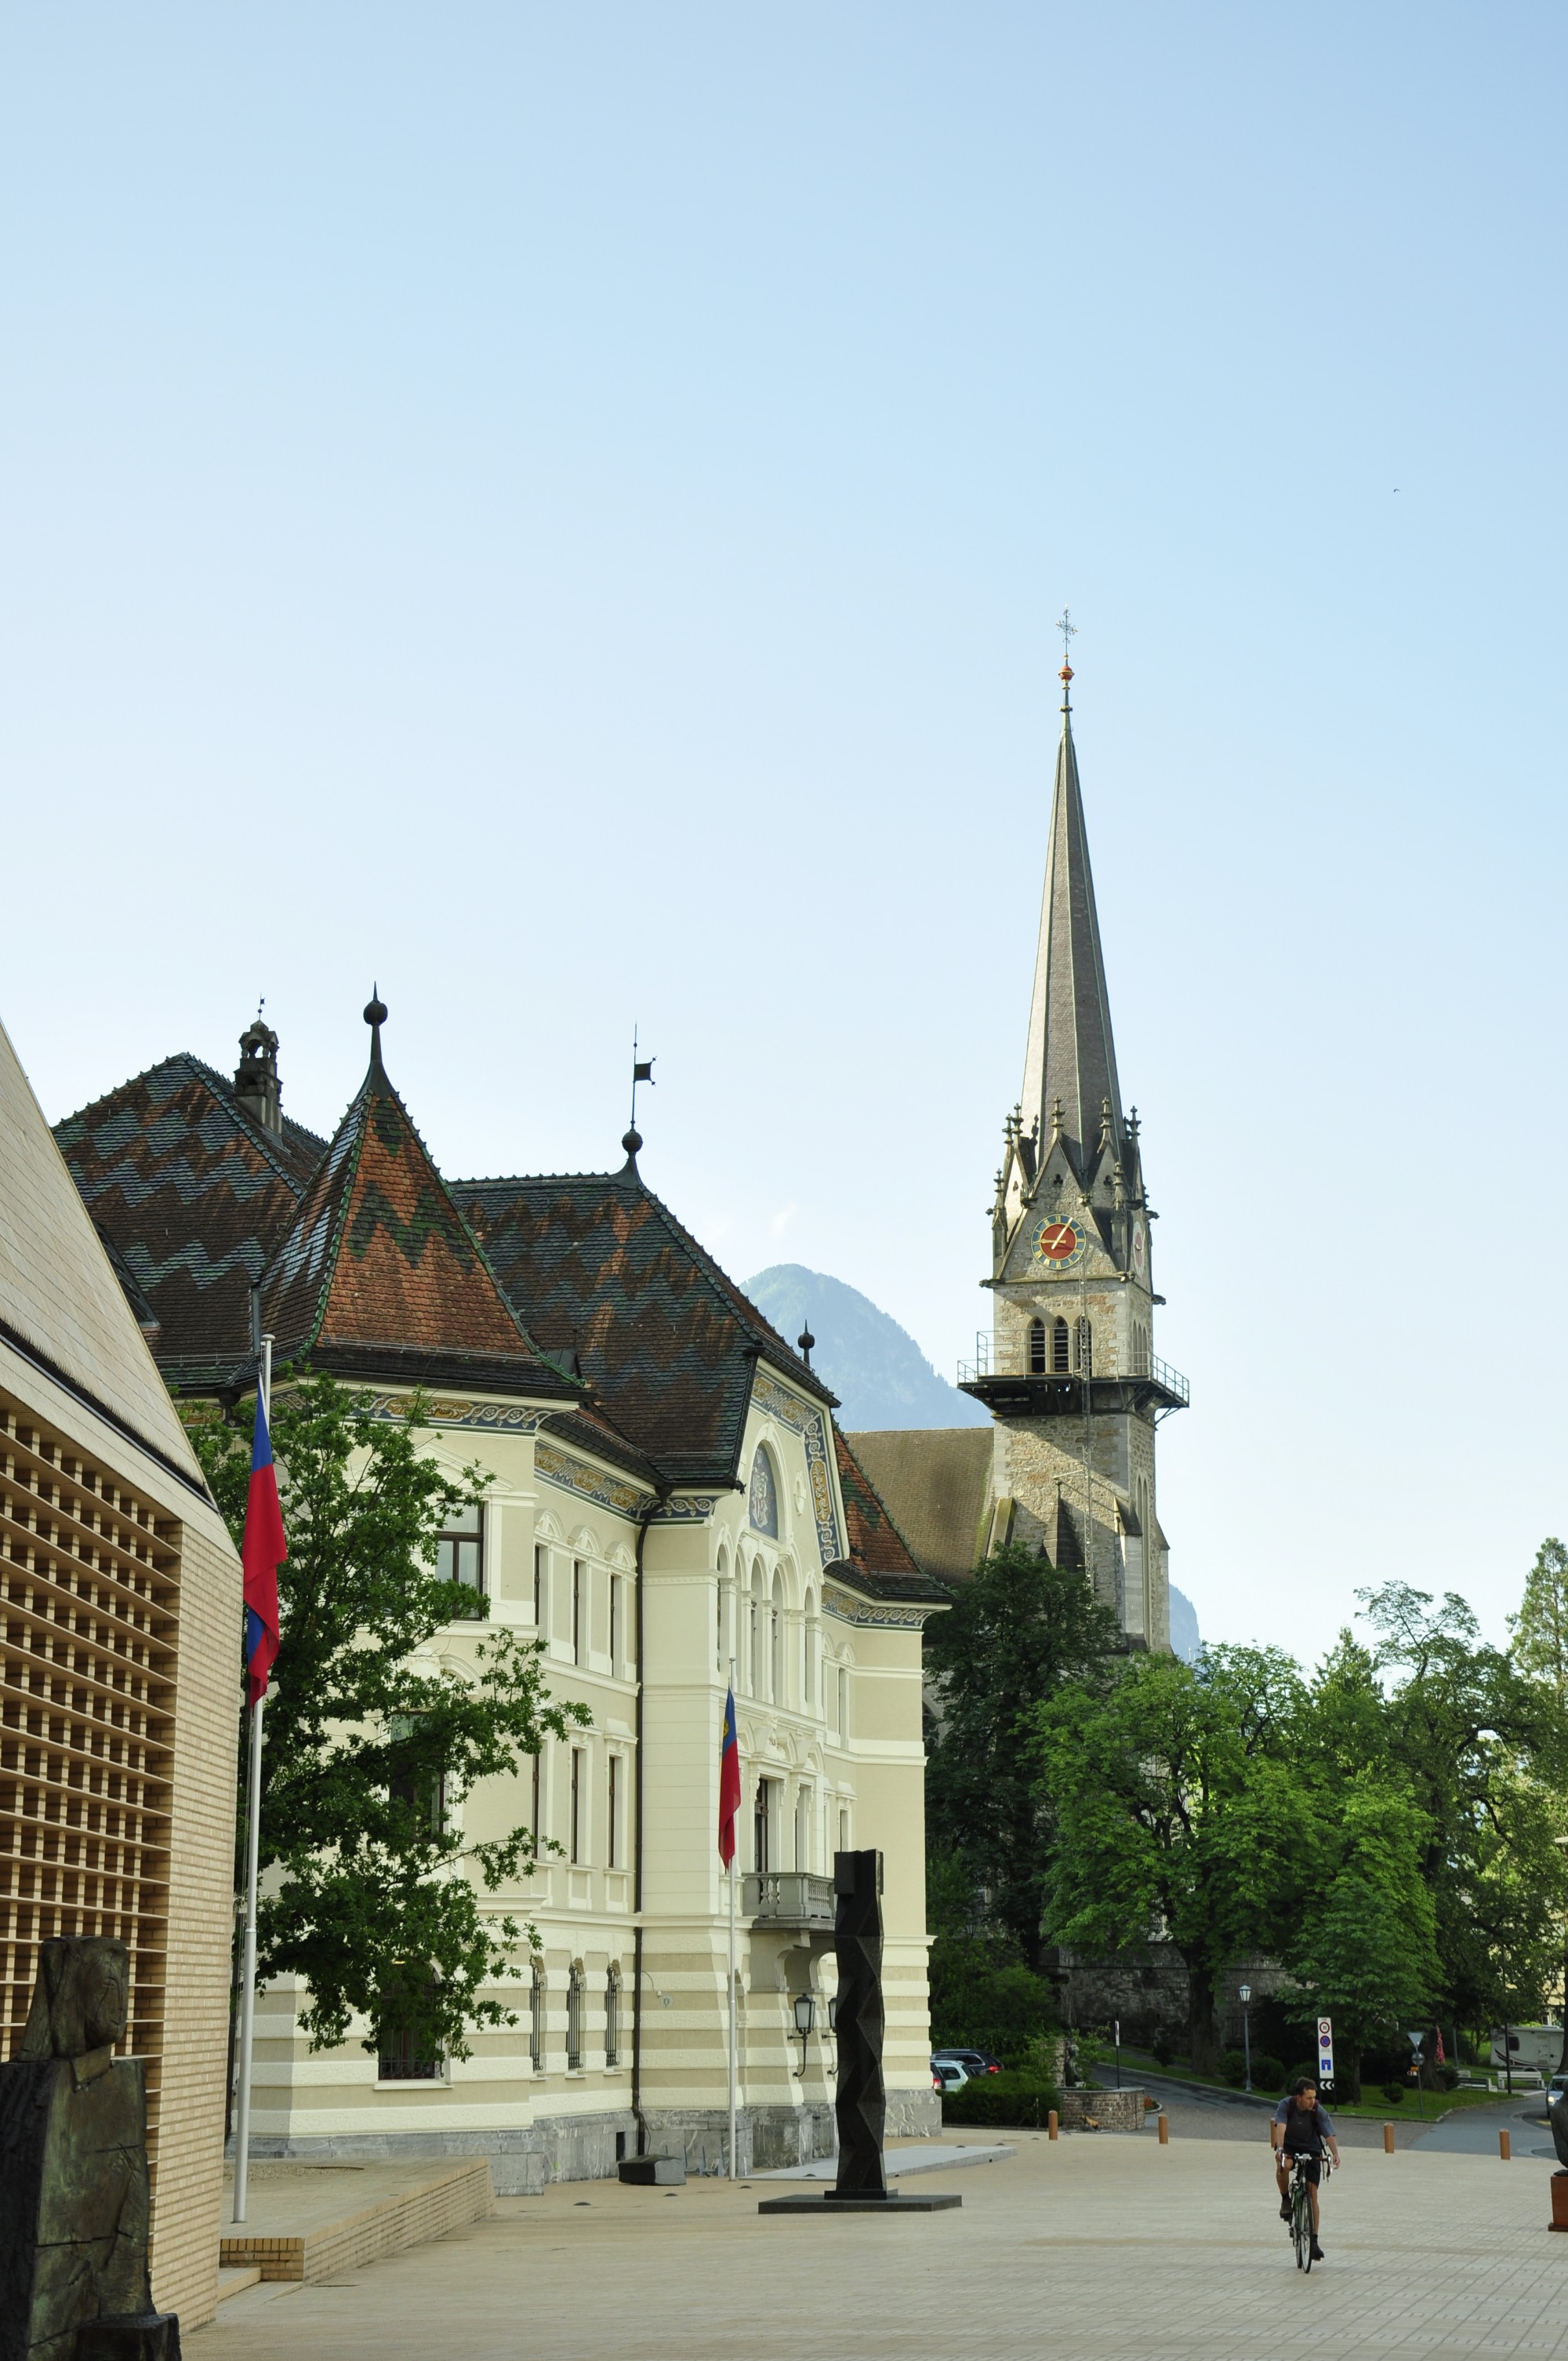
x=379, y=1273
x=1070, y=1055
x=610, y=1283
x=937, y=1484
x=61, y=1304
x=875, y=1542
x=194, y=1195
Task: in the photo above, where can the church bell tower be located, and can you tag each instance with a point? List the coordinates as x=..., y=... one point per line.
x=1070, y=1376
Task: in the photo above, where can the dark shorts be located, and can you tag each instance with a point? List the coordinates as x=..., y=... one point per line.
x=1315, y=2164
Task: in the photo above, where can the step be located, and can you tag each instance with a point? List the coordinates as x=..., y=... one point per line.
x=314, y=2223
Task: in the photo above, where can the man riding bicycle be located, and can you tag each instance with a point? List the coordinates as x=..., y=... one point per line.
x=1302, y=2128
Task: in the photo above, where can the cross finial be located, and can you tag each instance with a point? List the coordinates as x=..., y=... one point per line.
x=1069, y=631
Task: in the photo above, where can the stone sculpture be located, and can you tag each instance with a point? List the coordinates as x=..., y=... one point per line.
x=862, y=2103
x=74, y=2196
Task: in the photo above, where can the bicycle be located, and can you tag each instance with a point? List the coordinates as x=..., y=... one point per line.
x=1302, y=2237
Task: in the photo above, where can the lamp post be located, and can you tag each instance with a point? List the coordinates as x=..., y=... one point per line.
x=1116, y=2042
x=805, y=2018
x=1244, y=1996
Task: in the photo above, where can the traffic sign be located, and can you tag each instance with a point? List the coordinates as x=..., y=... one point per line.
x=1325, y=2049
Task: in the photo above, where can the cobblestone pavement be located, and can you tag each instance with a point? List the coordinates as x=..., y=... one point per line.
x=1090, y=2249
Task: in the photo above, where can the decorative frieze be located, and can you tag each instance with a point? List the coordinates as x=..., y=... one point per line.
x=778, y=1401
x=845, y=1608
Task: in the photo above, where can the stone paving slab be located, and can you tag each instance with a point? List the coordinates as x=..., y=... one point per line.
x=1085, y=2249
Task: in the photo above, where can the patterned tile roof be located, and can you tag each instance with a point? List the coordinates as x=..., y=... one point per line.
x=378, y=1261
x=192, y=1194
x=600, y=1269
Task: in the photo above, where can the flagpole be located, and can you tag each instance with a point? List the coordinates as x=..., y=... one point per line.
x=252, y=1854
x=734, y=2160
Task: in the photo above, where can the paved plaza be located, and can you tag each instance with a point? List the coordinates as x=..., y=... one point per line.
x=1095, y=2247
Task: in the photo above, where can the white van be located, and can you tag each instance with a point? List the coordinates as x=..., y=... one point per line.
x=1532, y=2047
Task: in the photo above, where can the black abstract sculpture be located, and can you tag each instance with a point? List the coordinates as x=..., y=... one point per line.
x=862, y=2103
x=1557, y=2116
x=74, y=2197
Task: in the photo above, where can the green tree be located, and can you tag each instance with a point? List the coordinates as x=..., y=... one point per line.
x=372, y=1743
x=1177, y=1812
x=1017, y=1631
x=1361, y=1943
x=1481, y=1748
x=1540, y=1651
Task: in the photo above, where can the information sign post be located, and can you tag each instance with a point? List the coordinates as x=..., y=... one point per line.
x=1325, y=2053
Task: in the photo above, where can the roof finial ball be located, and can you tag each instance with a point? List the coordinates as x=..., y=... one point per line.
x=375, y=1016
x=805, y=1342
x=631, y=1141
x=1069, y=631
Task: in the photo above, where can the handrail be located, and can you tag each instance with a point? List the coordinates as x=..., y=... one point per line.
x=993, y=1357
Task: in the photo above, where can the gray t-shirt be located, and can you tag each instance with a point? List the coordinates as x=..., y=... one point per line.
x=1303, y=2130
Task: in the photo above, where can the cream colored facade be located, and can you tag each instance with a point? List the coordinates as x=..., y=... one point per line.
x=828, y=1680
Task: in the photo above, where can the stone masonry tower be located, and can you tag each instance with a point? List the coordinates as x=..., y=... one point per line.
x=1071, y=1376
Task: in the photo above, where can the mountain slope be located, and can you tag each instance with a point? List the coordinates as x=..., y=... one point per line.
x=876, y=1369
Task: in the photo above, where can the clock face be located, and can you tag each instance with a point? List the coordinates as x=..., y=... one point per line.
x=1061, y=1244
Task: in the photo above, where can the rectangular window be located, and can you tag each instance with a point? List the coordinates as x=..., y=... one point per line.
x=540, y=1575
x=612, y=1852
x=843, y=1831
x=575, y=2022
x=579, y=1608
x=401, y=2060
x=577, y=1803
x=460, y=1550
x=762, y=1827
x=612, y=2020
x=536, y=2020
x=617, y=1622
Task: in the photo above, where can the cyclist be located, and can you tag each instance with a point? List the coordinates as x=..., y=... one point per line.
x=1301, y=2127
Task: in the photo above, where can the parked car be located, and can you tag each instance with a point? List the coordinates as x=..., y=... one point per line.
x=946, y=2074
x=1557, y=2087
x=973, y=2062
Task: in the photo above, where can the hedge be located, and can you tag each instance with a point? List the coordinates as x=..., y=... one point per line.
x=1002, y=2099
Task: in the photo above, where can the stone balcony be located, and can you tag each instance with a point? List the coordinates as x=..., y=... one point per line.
x=788, y=1897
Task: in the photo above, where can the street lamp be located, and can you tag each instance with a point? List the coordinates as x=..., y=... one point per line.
x=805, y=2018
x=1244, y=1995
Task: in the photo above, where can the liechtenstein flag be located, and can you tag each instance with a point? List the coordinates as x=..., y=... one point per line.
x=261, y=1553
x=729, y=1783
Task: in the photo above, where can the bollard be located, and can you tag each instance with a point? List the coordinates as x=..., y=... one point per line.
x=1388, y=2139
x=1506, y=2146
x=1164, y=2130
x=1051, y=2123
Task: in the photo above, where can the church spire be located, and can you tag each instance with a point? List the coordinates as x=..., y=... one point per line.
x=1070, y=1056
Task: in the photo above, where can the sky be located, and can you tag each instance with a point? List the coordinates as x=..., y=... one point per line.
x=560, y=513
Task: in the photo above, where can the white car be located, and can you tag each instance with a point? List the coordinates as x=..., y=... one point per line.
x=946, y=2074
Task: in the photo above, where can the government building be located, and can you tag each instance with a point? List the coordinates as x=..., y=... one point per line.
x=665, y=1492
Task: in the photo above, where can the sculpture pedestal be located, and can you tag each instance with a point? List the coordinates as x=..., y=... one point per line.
x=829, y=2201
x=130, y=2337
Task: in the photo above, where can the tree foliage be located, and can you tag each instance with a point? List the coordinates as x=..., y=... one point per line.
x=1018, y=1631
x=375, y=1739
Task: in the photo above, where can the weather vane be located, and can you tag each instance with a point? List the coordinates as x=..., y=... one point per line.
x=642, y=1071
x=1069, y=631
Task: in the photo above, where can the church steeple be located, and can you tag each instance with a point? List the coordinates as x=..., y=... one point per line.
x=1070, y=1056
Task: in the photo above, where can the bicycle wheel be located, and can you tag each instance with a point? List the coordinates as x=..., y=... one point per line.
x=1302, y=2222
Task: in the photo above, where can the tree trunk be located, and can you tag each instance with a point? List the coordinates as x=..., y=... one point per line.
x=1203, y=2034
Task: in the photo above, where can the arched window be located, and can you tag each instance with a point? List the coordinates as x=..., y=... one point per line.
x=612, y=2017
x=763, y=1500
x=536, y=2019
x=1059, y=1347
x=575, y=2018
x=718, y=1647
x=758, y=1612
x=1036, y=1349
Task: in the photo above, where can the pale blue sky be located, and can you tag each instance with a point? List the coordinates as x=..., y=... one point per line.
x=561, y=510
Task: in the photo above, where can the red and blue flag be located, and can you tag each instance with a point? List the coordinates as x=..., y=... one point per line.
x=262, y=1551
x=729, y=1783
